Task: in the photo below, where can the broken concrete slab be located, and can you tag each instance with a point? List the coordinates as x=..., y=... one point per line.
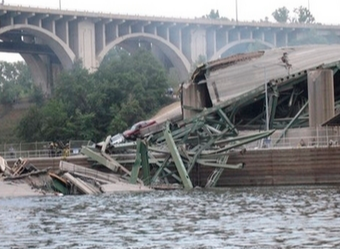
x=12, y=189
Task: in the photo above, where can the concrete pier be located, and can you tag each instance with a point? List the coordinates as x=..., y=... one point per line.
x=320, y=96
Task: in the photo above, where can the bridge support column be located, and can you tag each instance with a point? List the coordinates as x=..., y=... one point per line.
x=321, y=96
x=198, y=44
x=45, y=71
x=83, y=43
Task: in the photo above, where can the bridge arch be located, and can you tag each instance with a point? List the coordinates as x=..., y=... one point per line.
x=178, y=60
x=235, y=43
x=62, y=51
x=39, y=69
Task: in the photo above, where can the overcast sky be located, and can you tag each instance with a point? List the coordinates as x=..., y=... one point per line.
x=326, y=11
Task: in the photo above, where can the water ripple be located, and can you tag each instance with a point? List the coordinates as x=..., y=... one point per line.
x=274, y=217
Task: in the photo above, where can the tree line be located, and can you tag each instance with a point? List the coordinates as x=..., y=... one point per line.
x=89, y=106
x=281, y=15
x=302, y=15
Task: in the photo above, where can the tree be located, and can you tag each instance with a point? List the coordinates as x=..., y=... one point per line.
x=17, y=82
x=29, y=127
x=53, y=121
x=9, y=91
x=213, y=14
x=281, y=15
x=24, y=78
x=37, y=95
x=124, y=90
x=303, y=15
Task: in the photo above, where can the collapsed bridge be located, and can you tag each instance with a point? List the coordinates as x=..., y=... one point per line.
x=230, y=110
x=242, y=100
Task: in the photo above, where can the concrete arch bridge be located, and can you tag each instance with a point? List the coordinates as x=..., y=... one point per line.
x=52, y=40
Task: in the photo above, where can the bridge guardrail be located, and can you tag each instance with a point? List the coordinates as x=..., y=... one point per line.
x=324, y=137
x=321, y=137
x=38, y=149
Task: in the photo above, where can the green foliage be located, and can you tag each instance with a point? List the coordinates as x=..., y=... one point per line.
x=9, y=93
x=136, y=82
x=24, y=78
x=54, y=118
x=303, y=15
x=281, y=15
x=114, y=54
x=16, y=82
x=80, y=125
x=29, y=126
x=73, y=88
x=37, y=95
x=213, y=14
x=124, y=90
x=9, y=89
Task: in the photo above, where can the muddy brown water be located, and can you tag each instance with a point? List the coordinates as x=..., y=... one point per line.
x=266, y=217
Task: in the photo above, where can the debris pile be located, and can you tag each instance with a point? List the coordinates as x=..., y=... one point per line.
x=166, y=154
x=90, y=181
x=23, y=178
x=70, y=179
x=158, y=155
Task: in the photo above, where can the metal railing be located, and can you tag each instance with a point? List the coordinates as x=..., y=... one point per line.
x=38, y=149
x=304, y=137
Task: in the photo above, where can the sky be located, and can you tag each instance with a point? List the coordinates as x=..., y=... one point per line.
x=325, y=12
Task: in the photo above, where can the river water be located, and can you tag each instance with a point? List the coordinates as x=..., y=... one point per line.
x=265, y=217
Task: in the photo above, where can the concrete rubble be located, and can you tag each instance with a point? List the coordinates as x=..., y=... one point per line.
x=23, y=179
x=20, y=180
